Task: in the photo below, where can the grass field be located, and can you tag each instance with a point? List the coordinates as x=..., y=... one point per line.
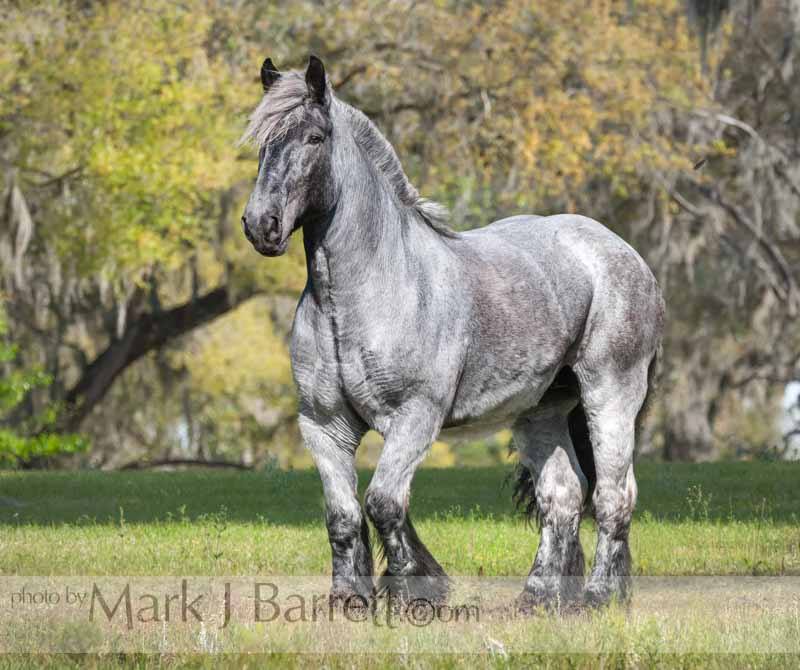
x=708, y=519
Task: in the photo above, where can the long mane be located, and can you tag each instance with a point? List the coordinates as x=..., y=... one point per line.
x=282, y=108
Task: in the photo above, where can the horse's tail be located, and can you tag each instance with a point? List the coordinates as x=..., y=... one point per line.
x=652, y=388
x=581, y=442
x=524, y=494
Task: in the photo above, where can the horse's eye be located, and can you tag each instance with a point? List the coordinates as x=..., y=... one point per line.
x=315, y=139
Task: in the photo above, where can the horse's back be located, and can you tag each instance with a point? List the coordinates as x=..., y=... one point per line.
x=572, y=233
x=567, y=245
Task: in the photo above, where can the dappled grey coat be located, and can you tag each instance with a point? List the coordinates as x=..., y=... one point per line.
x=549, y=325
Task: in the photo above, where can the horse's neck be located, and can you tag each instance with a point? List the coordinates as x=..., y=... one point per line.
x=369, y=245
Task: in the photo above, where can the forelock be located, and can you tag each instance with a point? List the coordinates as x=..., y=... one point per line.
x=280, y=110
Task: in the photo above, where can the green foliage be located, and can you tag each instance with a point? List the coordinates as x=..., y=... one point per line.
x=127, y=102
x=15, y=449
x=14, y=386
x=119, y=124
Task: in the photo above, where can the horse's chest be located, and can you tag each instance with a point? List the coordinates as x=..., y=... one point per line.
x=332, y=364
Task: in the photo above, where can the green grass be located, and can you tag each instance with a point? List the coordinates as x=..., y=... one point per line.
x=708, y=519
x=731, y=518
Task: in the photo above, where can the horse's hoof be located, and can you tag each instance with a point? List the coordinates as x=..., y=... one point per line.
x=404, y=590
x=540, y=594
x=597, y=595
x=349, y=602
x=551, y=594
x=531, y=602
x=596, y=598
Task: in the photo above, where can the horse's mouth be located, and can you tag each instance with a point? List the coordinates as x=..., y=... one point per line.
x=272, y=250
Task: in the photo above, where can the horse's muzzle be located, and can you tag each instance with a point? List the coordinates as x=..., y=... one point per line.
x=265, y=233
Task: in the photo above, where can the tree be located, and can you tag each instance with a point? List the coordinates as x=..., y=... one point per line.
x=118, y=144
x=123, y=184
x=679, y=130
x=733, y=343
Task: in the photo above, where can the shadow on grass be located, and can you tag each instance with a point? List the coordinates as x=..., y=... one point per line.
x=702, y=492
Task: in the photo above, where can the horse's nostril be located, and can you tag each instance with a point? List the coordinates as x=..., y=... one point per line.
x=273, y=221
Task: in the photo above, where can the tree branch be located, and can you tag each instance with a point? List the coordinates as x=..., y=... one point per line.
x=146, y=333
x=789, y=291
x=144, y=465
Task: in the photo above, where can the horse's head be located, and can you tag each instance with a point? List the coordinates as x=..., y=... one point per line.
x=292, y=128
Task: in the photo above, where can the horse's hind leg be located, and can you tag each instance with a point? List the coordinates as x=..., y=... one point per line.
x=411, y=571
x=612, y=400
x=545, y=448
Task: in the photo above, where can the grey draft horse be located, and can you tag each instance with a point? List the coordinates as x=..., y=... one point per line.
x=549, y=325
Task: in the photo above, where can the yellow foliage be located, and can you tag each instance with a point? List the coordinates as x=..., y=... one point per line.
x=536, y=105
x=127, y=97
x=440, y=456
x=239, y=355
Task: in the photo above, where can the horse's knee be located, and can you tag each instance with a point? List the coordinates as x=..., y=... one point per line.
x=614, y=501
x=344, y=524
x=560, y=490
x=383, y=510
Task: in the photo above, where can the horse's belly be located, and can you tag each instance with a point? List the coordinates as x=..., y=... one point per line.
x=478, y=430
x=509, y=366
x=487, y=405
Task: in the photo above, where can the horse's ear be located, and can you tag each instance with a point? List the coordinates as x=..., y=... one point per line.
x=269, y=74
x=315, y=80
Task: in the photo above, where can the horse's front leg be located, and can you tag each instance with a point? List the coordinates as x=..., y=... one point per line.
x=411, y=571
x=333, y=447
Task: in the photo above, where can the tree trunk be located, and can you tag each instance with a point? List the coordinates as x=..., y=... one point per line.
x=184, y=462
x=688, y=435
x=689, y=397
x=146, y=333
